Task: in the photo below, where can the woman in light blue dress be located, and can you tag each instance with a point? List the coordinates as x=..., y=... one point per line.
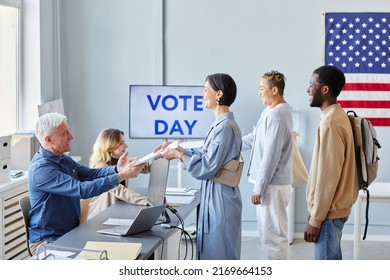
x=220, y=214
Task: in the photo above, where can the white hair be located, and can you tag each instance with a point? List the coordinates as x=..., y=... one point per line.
x=47, y=125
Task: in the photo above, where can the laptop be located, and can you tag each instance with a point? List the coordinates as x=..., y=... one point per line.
x=143, y=221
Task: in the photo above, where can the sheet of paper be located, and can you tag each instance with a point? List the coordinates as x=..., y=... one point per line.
x=176, y=190
x=54, y=254
x=179, y=199
x=173, y=145
x=115, y=250
x=187, y=193
x=118, y=222
x=147, y=158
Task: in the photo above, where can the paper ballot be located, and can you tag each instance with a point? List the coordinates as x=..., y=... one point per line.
x=153, y=155
x=147, y=158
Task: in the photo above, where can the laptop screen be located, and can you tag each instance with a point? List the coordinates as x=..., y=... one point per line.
x=158, y=180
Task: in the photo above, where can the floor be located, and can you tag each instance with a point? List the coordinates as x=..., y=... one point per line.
x=301, y=250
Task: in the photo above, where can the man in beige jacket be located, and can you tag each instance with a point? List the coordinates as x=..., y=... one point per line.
x=332, y=187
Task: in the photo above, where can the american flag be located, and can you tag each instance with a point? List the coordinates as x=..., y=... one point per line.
x=359, y=45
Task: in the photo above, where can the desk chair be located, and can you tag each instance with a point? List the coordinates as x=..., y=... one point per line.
x=25, y=205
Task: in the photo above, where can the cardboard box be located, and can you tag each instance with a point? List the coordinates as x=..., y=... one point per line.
x=5, y=147
x=23, y=148
x=5, y=170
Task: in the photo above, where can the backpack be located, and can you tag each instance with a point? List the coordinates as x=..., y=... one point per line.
x=366, y=150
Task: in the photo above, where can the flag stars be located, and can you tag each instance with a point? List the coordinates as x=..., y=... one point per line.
x=358, y=42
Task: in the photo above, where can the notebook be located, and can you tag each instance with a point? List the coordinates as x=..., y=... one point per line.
x=115, y=250
x=145, y=220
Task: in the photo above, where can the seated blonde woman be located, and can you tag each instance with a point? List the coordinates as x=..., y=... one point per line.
x=109, y=146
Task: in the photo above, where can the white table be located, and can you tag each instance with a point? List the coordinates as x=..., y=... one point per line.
x=379, y=193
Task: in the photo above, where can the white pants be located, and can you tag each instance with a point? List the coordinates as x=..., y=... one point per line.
x=272, y=221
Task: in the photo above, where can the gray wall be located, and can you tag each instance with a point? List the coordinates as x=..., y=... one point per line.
x=107, y=45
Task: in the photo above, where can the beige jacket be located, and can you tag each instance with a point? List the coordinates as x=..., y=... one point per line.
x=332, y=188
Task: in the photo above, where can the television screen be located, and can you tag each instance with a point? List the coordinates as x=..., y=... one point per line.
x=168, y=112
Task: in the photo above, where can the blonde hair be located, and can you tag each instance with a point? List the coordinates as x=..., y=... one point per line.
x=107, y=141
x=275, y=79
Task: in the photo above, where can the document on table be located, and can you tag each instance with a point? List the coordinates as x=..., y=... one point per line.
x=181, y=191
x=115, y=250
x=118, y=222
x=179, y=199
x=53, y=254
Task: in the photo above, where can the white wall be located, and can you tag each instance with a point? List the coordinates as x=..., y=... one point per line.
x=107, y=45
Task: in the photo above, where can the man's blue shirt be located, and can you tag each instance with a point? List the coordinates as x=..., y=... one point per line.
x=56, y=184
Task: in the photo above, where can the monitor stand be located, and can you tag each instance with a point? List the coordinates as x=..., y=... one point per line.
x=165, y=213
x=165, y=219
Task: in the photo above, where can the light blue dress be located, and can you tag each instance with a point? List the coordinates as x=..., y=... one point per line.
x=220, y=213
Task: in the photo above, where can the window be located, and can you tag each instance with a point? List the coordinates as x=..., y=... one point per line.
x=9, y=66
